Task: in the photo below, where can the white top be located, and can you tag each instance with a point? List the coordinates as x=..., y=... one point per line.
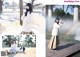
x=28, y=21
x=13, y=48
x=55, y=29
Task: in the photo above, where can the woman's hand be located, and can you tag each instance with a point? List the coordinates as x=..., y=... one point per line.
x=61, y=22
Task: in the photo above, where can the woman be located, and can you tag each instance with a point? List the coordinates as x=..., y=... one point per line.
x=32, y=21
x=53, y=44
x=13, y=48
x=27, y=19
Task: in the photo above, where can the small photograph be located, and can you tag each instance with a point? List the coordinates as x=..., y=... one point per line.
x=18, y=46
x=63, y=31
x=21, y=17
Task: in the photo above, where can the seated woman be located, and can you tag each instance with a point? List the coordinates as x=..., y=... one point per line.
x=15, y=49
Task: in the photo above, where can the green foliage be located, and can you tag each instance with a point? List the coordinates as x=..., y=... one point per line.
x=29, y=41
x=61, y=13
x=9, y=39
x=26, y=42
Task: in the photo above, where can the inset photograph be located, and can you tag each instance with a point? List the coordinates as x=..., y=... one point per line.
x=62, y=31
x=18, y=46
x=21, y=17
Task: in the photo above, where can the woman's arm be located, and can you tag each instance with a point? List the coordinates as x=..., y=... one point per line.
x=59, y=25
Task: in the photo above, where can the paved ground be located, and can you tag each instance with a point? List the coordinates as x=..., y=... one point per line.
x=30, y=52
x=63, y=50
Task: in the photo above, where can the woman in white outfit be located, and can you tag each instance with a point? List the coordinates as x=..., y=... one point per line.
x=13, y=48
x=54, y=41
x=27, y=20
x=32, y=21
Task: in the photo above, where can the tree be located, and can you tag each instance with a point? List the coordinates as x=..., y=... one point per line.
x=59, y=12
x=6, y=4
x=63, y=7
x=18, y=37
x=1, y=2
x=21, y=10
x=8, y=40
x=32, y=1
x=35, y=41
x=28, y=40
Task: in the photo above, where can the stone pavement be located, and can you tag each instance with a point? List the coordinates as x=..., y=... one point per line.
x=64, y=49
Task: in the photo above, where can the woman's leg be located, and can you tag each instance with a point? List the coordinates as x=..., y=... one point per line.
x=8, y=52
x=54, y=46
x=55, y=43
x=51, y=42
x=23, y=49
x=57, y=40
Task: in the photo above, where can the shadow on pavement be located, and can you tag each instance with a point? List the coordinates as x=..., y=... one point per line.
x=65, y=46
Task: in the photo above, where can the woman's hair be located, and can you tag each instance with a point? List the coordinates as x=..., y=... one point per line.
x=12, y=42
x=28, y=10
x=57, y=18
